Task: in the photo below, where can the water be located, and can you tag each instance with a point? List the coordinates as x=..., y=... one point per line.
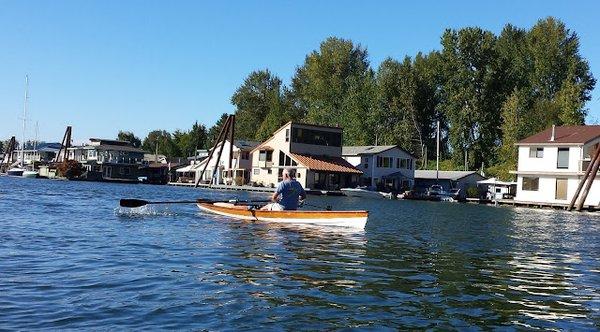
x=70, y=259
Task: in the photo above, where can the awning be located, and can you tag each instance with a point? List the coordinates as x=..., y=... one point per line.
x=185, y=169
x=325, y=163
x=493, y=181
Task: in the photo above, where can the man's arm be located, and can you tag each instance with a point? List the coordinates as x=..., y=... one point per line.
x=275, y=197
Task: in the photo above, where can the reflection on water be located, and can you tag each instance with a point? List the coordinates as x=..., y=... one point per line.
x=74, y=260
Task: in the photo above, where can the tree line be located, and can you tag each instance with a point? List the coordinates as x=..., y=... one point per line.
x=487, y=91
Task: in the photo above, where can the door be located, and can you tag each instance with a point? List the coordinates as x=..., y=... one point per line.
x=561, y=189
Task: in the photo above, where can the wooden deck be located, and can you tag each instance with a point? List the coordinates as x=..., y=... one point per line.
x=538, y=205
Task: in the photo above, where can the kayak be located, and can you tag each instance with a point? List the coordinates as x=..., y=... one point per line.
x=354, y=219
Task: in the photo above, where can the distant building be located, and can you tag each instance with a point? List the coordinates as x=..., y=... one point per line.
x=109, y=160
x=552, y=163
x=449, y=180
x=384, y=167
x=43, y=153
x=238, y=174
x=314, y=151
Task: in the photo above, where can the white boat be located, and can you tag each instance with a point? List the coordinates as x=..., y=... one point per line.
x=30, y=174
x=362, y=192
x=353, y=219
x=15, y=171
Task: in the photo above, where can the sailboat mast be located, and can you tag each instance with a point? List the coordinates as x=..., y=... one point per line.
x=24, y=120
x=437, y=162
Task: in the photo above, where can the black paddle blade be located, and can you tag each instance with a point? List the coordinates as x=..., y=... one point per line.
x=132, y=203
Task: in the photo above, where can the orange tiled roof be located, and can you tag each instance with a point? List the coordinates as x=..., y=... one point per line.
x=325, y=163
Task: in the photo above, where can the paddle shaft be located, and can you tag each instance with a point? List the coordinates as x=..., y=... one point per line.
x=133, y=203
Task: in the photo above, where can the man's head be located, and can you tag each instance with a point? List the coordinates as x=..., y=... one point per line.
x=288, y=173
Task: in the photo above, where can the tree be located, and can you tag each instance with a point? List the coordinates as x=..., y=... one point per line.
x=188, y=142
x=161, y=141
x=213, y=132
x=128, y=136
x=472, y=93
x=336, y=86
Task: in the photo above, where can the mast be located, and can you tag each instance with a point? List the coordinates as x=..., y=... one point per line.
x=24, y=120
x=437, y=162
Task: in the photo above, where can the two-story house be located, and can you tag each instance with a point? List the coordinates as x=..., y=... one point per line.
x=552, y=163
x=386, y=167
x=241, y=164
x=109, y=160
x=314, y=151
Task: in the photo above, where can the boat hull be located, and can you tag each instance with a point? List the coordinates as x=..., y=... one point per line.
x=352, y=192
x=15, y=172
x=353, y=219
x=30, y=174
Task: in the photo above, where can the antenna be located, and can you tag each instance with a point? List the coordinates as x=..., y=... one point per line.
x=24, y=120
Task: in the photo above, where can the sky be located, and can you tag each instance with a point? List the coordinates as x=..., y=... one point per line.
x=140, y=65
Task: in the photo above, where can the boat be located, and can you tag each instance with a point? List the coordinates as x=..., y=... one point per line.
x=362, y=192
x=437, y=193
x=353, y=219
x=15, y=171
x=30, y=174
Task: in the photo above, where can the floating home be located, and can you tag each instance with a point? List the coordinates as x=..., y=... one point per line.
x=553, y=162
x=384, y=167
x=314, y=151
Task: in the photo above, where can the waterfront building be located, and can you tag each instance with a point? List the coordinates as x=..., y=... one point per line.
x=238, y=174
x=314, y=151
x=552, y=163
x=449, y=180
x=109, y=160
x=383, y=167
x=43, y=153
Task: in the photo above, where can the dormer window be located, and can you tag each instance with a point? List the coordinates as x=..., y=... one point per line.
x=535, y=152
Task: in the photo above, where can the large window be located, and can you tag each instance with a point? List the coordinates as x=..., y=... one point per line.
x=316, y=137
x=563, y=158
x=530, y=184
x=285, y=160
x=536, y=152
x=385, y=162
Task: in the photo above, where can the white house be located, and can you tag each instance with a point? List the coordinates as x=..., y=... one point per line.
x=383, y=166
x=239, y=173
x=314, y=151
x=552, y=163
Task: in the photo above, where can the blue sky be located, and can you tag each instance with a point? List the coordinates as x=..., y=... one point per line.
x=102, y=66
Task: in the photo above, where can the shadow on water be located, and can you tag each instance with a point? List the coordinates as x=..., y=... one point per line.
x=73, y=259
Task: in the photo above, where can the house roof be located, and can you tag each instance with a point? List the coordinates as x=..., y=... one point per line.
x=365, y=149
x=563, y=135
x=325, y=163
x=443, y=175
x=292, y=123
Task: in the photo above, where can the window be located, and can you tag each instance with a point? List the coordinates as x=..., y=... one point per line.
x=366, y=165
x=287, y=135
x=285, y=160
x=245, y=155
x=536, y=152
x=398, y=163
x=563, y=158
x=403, y=163
x=270, y=171
x=385, y=162
x=297, y=175
x=316, y=137
x=127, y=171
x=265, y=156
x=530, y=184
x=256, y=171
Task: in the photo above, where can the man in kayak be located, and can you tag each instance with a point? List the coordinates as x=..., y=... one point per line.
x=288, y=194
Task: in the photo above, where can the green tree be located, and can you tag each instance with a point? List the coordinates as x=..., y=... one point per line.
x=336, y=86
x=213, y=132
x=128, y=136
x=162, y=142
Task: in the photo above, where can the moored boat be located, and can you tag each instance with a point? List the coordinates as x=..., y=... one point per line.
x=362, y=192
x=15, y=171
x=30, y=174
x=354, y=219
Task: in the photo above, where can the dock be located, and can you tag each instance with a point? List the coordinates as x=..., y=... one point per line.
x=537, y=205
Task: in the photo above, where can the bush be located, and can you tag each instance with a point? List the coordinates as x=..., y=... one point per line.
x=472, y=192
x=69, y=169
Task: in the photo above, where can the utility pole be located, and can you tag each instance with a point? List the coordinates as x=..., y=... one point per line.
x=437, y=162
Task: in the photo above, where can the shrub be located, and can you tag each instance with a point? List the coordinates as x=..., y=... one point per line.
x=69, y=169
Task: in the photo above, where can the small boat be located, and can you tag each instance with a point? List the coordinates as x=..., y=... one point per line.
x=15, y=171
x=362, y=192
x=30, y=174
x=354, y=219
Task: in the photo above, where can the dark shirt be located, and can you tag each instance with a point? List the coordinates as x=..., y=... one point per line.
x=290, y=192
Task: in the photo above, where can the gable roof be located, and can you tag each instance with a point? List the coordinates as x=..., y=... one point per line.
x=325, y=163
x=578, y=135
x=443, y=175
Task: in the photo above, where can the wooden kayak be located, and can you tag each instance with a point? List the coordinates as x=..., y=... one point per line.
x=355, y=219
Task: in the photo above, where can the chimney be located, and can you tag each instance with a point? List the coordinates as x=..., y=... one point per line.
x=553, y=132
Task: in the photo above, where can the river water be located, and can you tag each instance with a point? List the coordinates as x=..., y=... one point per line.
x=71, y=259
